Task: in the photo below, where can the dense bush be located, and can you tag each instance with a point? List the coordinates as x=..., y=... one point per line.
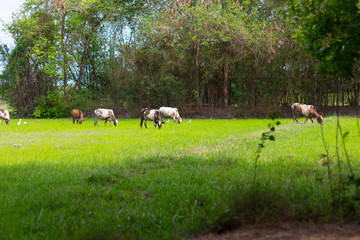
x=51, y=106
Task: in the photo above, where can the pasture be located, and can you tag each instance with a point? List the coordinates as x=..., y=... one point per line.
x=65, y=181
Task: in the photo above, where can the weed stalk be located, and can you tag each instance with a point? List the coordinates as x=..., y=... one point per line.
x=265, y=136
x=338, y=157
x=328, y=164
x=352, y=175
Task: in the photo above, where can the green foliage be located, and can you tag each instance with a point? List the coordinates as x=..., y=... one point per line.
x=52, y=106
x=329, y=30
x=264, y=136
x=84, y=99
x=272, y=113
x=133, y=54
x=214, y=37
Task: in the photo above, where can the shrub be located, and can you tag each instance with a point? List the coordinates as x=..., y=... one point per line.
x=53, y=105
x=272, y=113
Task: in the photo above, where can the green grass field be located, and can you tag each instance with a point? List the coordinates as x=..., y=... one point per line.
x=65, y=181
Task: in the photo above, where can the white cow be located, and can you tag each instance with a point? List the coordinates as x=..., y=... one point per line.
x=152, y=115
x=105, y=114
x=5, y=116
x=169, y=112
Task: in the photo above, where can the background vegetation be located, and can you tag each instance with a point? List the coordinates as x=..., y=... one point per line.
x=59, y=180
x=132, y=54
x=65, y=181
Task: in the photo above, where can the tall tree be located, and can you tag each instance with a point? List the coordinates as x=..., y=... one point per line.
x=201, y=25
x=330, y=31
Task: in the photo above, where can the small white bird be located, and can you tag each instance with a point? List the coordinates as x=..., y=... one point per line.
x=19, y=122
x=25, y=122
x=167, y=121
x=190, y=120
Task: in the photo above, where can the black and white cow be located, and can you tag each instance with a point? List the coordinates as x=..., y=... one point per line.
x=152, y=115
x=105, y=114
x=5, y=116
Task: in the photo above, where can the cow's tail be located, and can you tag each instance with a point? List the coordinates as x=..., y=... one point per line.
x=293, y=109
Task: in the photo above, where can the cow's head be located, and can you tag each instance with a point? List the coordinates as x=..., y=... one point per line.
x=320, y=119
x=81, y=117
x=177, y=116
x=157, y=119
x=115, y=122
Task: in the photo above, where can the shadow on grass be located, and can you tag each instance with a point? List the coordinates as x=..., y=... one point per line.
x=156, y=197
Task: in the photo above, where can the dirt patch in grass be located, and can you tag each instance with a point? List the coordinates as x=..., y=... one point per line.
x=297, y=231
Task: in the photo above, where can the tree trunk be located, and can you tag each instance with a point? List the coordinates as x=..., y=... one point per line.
x=64, y=50
x=197, y=70
x=226, y=83
x=82, y=66
x=356, y=94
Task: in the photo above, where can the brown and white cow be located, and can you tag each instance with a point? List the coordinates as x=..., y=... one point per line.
x=152, y=115
x=78, y=115
x=5, y=116
x=169, y=112
x=308, y=111
x=105, y=114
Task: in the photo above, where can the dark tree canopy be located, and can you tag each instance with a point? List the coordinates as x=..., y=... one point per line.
x=330, y=31
x=133, y=54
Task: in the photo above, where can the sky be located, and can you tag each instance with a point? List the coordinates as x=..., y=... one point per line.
x=7, y=8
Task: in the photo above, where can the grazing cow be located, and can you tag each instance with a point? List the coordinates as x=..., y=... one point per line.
x=5, y=116
x=305, y=110
x=105, y=114
x=169, y=112
x=152, y=115
x=78, y=115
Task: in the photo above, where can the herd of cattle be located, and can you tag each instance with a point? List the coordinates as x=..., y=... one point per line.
x=156, y=115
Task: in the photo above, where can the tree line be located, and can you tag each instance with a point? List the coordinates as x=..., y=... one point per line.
x=130, y=54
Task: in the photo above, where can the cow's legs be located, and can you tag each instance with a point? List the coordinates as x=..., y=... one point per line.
x=294, y=118
x=306, y=120
x=73, y=120
x=294, y=114
x=96, y=121
x=141, y=122
x=145, y=123
x=311, y=120
x=105, y=122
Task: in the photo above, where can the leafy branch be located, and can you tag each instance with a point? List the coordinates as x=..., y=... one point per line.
x=268, y=135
